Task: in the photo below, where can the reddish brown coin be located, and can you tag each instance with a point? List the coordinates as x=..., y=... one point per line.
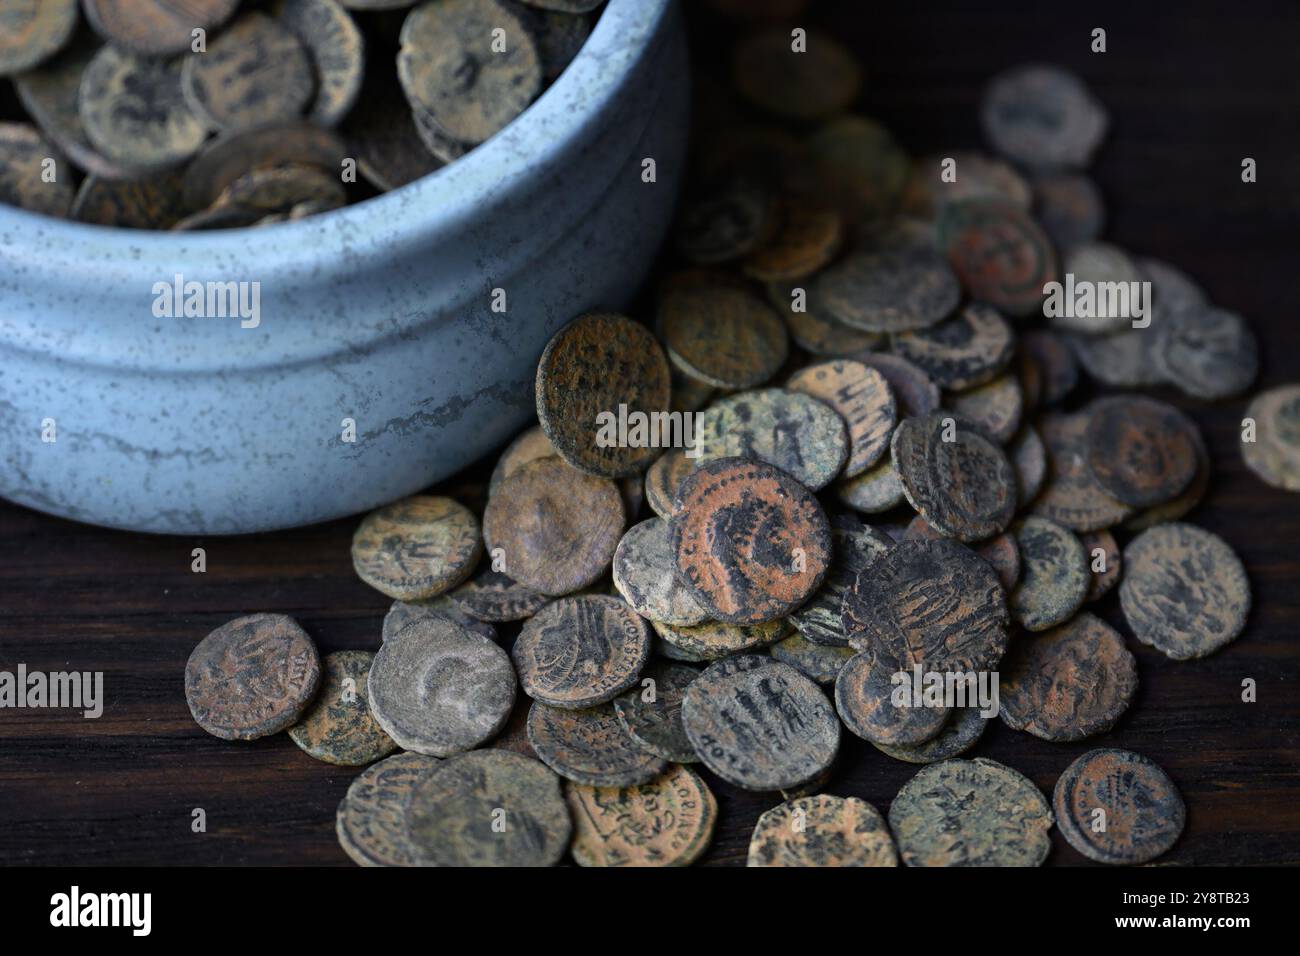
x=863, y=399
x=874, y=700
x=723, y=335
x=1140, y=450
x=1002, y=553
x=1072, y=497
x=1105, y=561
x=1000, y=254
x=664, y=479
x=1142, y=808
x=808, y=238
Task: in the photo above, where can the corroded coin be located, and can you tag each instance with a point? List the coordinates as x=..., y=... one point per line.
x=1042, y=117
x=960, y=482
x=402, y=613
x=961, y=731
x=934, y=603
x=760, y=724
x=875, y=700
x=336, y=49
x=822, y=830
x=440, y=689
x=1058, y=371
x=1070, y=208
x=488, y=808
x=155, y=28
x=275, y=189
x=643, y=574
x=1028, y=457
x=1207, y=352
x=1070, y=683
x=252, y=677
x=665, y=822
x=714, y=639
x=889, y=290
x=664, y=479
x=860, y=167
x=231, y=155
x=999, y=253
x=1054, y=576
x=1002, y=553
x=134, y=114
x=493, y=596
x=975, y=175
x=1184, y=591
x=854, y=546
x=802, y=436
x=1105, y=562
x=514, y=735
x=1123, y=359
x=726, y=220
x=914, y=391
x=472, y=64
x=821, y=662
x=151, y=203
x=338, y=727
x=603, y=366
x=862, y=397
x=371, y=819
x=24, y=155
x=1177, y=507
x=418, y=547
x=1274, y=455
x=556, y=527
x=590, y=747
x=1141, y=451
x=34, y=30
x=996, y=408
x=808, y=238
x=651, y=712
x=722, y=335
x=874, y=491
x=750, y=543
x=383, y=138
x=581, y=651
x=1072, y=497
x=812, y=327
x=820, y=79
x=969, y=349
x=1116, y=806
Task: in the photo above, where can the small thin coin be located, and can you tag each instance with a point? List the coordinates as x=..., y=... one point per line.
x=914, y=391
x=252, y=677
x=792, y=431
x=1184, y=591
x=34, y=30
x=416, y=548
x=156, y=28
x=151, y=203
x=809, y=236
x=714, y=639
x=822, y=830
x=961, y=731
x=440, y=689
x=1123, y=359
x=1042, y=117
x=281, y=188
x=875, y=706
x=651, y=712
x=760, y=724
x=816, y=81
x=723, y=335
x=665, y=822
x=338, y=728
x=1028, y=457
x=1274, y=455
x=1143, y=809
x=854, y=547
x=581, y=651
x=600, y=369
x=402, y=613
x=371, y=819
x=862, y=397
x=750, y=543
x=664, y=479
x=819, y=661
x=590, y=747
x=336, y=49
x=1070, y=208
x=454, y=813
x=1057, y=368
x=1072, y=497
x=23, y=156
x=556, y=526
x=231, y=155
x=496, y=597
x=229, y=216
x=1176, y=508
x=894, y=289
x=1140, y=450
x=996, y=408
x=1207, y=352
x=813, y=328
x=969, y=349
x=727, y=221
x=876, y=490
x=859, y=166
x=1054, y=576
x=1002, y=553
x=999, y=253
x=643, y=574
x=1105, y=561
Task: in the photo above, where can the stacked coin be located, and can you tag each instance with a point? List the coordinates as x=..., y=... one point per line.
x=211, y=115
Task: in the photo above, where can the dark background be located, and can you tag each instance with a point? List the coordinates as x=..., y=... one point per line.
x=1191, y=89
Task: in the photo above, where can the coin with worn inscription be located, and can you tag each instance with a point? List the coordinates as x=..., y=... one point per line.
x=338, y=727
x=440, y=689
x=1002, y=553
x=876, y=700
x=862, y=398
x=231, y=155
x=371, y=819
x=1054, y=575
x=488, y=808
x=808, y=238
x=971, y=813
x=336, y=49
x=812, y=327
x=1116, y=806
x=418, y=547
x=889, y=290
x=590, y=747
x=252, y=677
x=723, y=335
x=1184, y=591
x=795, y=432
x=1070, y=208
x=667, y=821
x=821, y=662
x=714, y=639
x=664, y=479
x=156, y=28
x=24, y=158
x=969, y=349
x=1105, y=562
x=150, y=203
x=1042, y=117
x=960, y=732
x=1140, y=450
x=1071, y=496
x=760, y=724
x=996, y=408
x=854, y=546
x=999, y=253
x=1274, y=454
x=874, y=491
x=651, y=712
x=1207, y=352
x=34, y=30
x=822, y=830
x=750, y=543
x=581, y=651
x=807, y=81
x=644, y=575
x=914, y=391
x=493, y=596
x=1178, y=506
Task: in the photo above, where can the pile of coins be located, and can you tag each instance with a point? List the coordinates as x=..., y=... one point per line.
x=868, y=469
x=211, y=115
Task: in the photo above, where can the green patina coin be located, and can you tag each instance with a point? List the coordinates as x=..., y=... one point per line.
x=416, y=548
x=338, y=728
x=714, y=639
x=854, y=546
x=818, y=661
x=651, y=712
x=1054, y=577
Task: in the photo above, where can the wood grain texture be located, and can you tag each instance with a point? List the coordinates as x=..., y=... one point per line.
x=1191, y=88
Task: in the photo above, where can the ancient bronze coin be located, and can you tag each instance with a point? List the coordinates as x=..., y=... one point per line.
x=795, y=432
x=1122, y=359
x=1141, y=451
x=643, y=574
x=862, y=397
x=934, y=603
x=969, y=349
x=664, y=479
x=556, y=527
x=134, y=114
x=1274, y=454
x=651, y=712
x=437, y=141
x=277, y=189
x=714, y=639
x=808, y=238
x=665, y=822
x=252, y=677
x=231, y=155
x=581, y=651
x=1097, y=267
x=959, y=481
x=996, y=408
x=889, y=290
x=338, y=727
x=151, y=203
x=24, y=155
x=1116, y=806
x=604, y=367
x=1070, y=208
x=859, y=166
x=155, y=28
x=875, y=700
x=914, y=391
x=1072, y=682
x=34, y=30
x=725, y=336
x=336, y=49
x=402, y=613
x=1054, y=575
x=1055, y=362
x=1175, y=508
x=440, y=689
x=1105, y=562
x=530, y=446
x=488, y=808
x=1207, y=352
x=1184, y=591
x=818, y=80
x=812, y=327
x=1002, y=553
x=1028, y=457
x=493, y=596
x=1072, y=497
x=727, y=220
x=750, y=543
x=975, y=175
x=854, y=546
x=471, y=64
x=371, y=819
x=1042, y=117
x=999, y=253
x=970, y=813
x=590, y=747
x=760, y=724
x=822, y=830
x=874, y=491
x=960, y=732
x=514, y=735
x=418, y=547
x=821, y=662
x=383, y=138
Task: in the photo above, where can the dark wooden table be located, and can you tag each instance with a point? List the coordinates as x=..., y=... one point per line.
x=1190, y=93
